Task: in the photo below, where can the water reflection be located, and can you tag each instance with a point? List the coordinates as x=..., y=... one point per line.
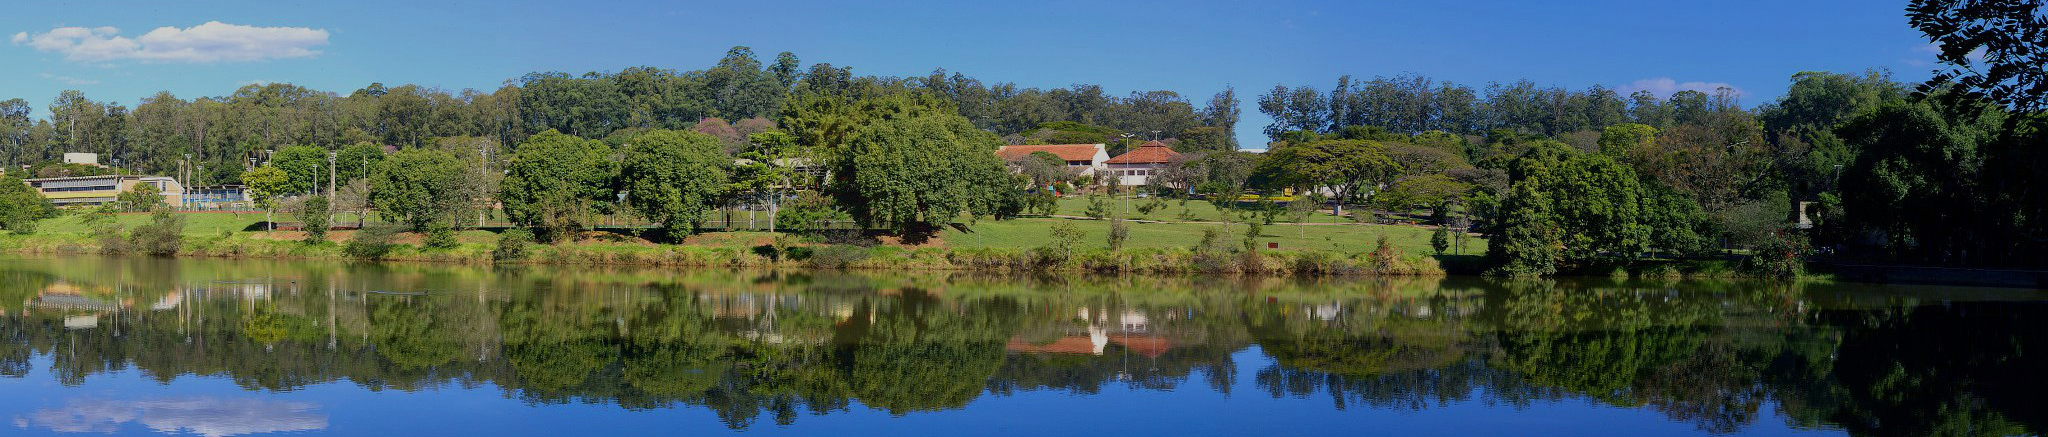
x=211, y=417
x=757, y=347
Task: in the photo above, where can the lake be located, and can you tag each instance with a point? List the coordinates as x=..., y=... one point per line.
x=219, y=348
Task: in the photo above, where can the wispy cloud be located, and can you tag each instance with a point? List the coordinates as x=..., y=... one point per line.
x=211, y=417
x=1664, y=86
x=206, y=43
x=68, y=80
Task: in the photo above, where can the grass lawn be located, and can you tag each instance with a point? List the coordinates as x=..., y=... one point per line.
x=1023, y=233
x=1035, y=232
x=1198, y=210
x=208, y=223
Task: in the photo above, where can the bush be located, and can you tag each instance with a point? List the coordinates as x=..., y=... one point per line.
x=1098, y=206
x=1148, y=206
x=1440, y=240
x=144, y=197
x=313, y=219
x=1780, y=256
x=1384, y=257
x=512, y=245
x=372, y=242
x=440, y=236
x=1119, y=231
x=160, y=237
x=810, y=212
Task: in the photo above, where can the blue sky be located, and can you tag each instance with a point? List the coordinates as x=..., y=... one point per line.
x=1195, y=48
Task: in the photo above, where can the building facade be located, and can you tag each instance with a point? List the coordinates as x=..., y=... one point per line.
x=1138, y=166
x=1084, y=159
x=218, y=197
x=95, y=190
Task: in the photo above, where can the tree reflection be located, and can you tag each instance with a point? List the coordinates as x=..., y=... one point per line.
x=752, y=347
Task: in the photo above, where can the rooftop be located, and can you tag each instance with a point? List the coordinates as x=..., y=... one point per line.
x=1153, y=152
x=1069, y=152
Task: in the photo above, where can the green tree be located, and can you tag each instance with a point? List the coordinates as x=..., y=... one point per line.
x=266, y=184
x=21, y=207
x=314, y=218
x=1995, y=49
x=555, y=181
x=1598, y=209
x=1623, y=140
x=1528, y=243
x=673, y=177
x=1917, y=180
x=422, y=187
x=911, y=174
x=143, y=197
x=1345, y=167
x=356, y=162
x=305, y=169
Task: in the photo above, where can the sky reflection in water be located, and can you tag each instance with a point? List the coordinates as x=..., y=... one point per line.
x=236, y=348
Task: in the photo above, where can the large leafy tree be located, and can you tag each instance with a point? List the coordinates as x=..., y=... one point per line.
x=1994, y=47
x=305, y=168
x=1345, y=167
x=673, y=177
x=20, y=206
x=423, y=188
x=912, y=173
x=1528, y=242
x=266, y=184
x=356, y=161
x=1917, y=180
x=555, y=180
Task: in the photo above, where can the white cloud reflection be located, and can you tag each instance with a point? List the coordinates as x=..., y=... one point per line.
x=211, y=417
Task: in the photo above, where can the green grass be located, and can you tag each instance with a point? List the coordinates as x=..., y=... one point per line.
x=1198, y=210
x=1036, y=232
x=195, y=223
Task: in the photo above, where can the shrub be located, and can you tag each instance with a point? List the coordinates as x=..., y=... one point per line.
x=144, y=197
x=1252, y=231
x=314, y=219
x=1148, y=206
x=809, y=212
x=1384, y=257
x=1782, y=255
x=1064, y=237
x=1119, y=231
x=161, y=236
x=371, y=242
x=1098, y=206
x=512, y=245
x=1440, y=240
x=440, y=235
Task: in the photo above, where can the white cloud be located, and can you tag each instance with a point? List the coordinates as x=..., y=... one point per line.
x=206, y=43
x=1664, y=86
x=68, y=80
x=210, y=417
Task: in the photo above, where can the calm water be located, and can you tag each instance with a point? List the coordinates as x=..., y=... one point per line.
x=95, y=345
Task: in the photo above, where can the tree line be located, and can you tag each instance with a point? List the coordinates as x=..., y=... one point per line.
x=217, y=138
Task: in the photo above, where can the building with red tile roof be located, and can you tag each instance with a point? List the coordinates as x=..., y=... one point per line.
x=1136, y=167
x=1084, y=159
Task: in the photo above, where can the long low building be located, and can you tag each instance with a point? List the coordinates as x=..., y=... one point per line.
x=94, y=190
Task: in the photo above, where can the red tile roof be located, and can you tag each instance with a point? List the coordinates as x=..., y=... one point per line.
x=1146, y=345
x=1065, y=345
x=1070, y=152
x=1151, y=153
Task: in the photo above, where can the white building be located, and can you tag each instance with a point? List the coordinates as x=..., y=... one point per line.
x=1084, y=159
x=1136, y=167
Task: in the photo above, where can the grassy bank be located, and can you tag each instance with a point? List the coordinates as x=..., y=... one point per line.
x=1009, y=246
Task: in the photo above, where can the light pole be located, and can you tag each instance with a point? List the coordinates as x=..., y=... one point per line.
x=330, y=184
